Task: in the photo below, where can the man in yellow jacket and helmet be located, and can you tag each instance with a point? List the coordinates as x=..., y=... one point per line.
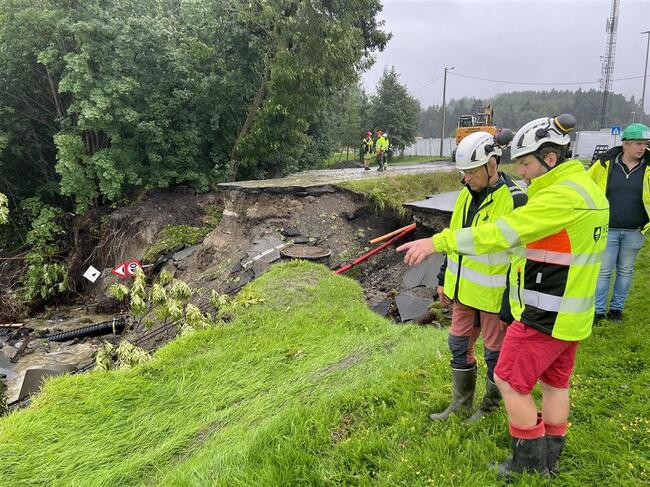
x=561, y=233
x=476, y=284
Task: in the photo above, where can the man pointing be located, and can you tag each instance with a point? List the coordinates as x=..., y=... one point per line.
x=562, y=233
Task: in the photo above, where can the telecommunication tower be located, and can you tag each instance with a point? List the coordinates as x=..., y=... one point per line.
x=607, y=70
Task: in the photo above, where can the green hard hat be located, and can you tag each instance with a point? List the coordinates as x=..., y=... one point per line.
x=636, y=131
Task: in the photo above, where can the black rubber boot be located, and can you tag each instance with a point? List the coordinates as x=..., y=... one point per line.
x=527, y=456
x=489, y=403
x=554, y=447
x=463, y=383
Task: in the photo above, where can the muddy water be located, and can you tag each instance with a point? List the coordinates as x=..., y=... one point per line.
x=41, y=353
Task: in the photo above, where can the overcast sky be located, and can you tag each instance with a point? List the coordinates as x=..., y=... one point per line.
x=514, y=40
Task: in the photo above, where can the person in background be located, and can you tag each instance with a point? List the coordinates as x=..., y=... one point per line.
x=367, y=150
x=381, y=146
x=623, y=173
x=389, y=151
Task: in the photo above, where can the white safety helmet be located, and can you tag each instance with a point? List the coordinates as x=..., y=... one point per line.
x=477, y=148
x=553, y=130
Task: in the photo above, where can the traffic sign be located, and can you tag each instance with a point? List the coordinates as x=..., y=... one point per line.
x=616, y=130
x=132, y=266
x=92, y=274
x=120, y=270
x=126, y=269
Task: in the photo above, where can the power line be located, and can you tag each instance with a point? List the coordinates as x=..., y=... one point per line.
x=533, y=83
x=428, y=84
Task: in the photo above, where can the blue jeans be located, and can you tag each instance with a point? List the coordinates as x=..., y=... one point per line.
x=620, y=254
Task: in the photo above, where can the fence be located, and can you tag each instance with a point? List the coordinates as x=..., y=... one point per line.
x=431, y=147
x=587, y=140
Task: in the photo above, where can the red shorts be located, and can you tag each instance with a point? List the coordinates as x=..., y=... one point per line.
x=528, y=355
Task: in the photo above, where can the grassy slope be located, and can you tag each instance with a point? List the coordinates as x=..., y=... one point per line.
x=392, y=191
x=341, y=156
x=311, y=388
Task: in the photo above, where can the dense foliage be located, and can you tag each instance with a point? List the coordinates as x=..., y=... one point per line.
x=391, y=109
x=106, y=96
x=103, y=97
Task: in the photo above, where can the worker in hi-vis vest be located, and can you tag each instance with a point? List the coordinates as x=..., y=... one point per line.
x=561, y=233
x=367, y=150
x=623, y=173
x=476, y=284
x=381, y=146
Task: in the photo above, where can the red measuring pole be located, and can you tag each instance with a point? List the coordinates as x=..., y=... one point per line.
x=374, y=251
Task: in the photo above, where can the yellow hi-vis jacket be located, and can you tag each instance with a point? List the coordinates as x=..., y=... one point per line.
x=601, y=169
x=367, y=144
x=478, y=281
x=381, y=145
x=563, y=231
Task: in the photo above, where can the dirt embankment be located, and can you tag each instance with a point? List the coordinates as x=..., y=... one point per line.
x=333, y=218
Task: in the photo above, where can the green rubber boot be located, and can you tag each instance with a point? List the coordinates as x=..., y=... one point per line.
x=463, y=383
x=489, y=403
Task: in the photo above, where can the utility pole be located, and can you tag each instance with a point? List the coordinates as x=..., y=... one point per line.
x=607, y=70
x=444, y=108
x=645, y=70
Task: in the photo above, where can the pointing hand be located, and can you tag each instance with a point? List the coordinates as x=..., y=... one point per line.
x=417, y=251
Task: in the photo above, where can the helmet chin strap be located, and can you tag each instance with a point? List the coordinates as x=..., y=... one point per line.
x=541, y=160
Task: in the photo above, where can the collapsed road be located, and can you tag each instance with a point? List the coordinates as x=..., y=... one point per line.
x=302, y=216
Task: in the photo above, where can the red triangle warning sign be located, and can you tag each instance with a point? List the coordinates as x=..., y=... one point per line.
x=120, y=270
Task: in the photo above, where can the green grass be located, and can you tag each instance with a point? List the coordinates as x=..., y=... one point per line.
x=417, y=159
x=341, y=156
x=393, y=191
x=311, y=388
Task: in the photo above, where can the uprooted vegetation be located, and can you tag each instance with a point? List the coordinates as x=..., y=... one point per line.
x=262, y=401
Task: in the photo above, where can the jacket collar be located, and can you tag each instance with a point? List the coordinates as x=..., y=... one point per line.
x=614, y=152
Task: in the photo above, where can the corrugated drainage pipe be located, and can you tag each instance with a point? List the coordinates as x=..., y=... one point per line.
x=115, y=327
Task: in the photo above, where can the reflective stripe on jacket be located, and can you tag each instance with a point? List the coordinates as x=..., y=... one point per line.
x=600, y=170
x=478, y=281
x=563, y=229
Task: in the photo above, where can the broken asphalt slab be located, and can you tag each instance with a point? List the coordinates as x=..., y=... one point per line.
x=411, y=306
x=425, y=274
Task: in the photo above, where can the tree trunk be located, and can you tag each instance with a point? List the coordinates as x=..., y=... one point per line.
x=55, y=95
x=260, y=97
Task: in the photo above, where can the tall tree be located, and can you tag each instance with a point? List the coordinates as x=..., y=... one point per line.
x=395, y=111
x=313, y=50
x=348, y=116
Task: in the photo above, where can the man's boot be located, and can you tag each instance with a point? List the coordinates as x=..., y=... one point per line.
x=463, y=383
x=527, y=456
x=554, y=447
x=489, y=403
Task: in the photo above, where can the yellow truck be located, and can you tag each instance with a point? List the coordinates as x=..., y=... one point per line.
x=468, y=124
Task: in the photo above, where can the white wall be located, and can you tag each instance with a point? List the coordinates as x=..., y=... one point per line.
x=431, y=147
x=587, y=140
